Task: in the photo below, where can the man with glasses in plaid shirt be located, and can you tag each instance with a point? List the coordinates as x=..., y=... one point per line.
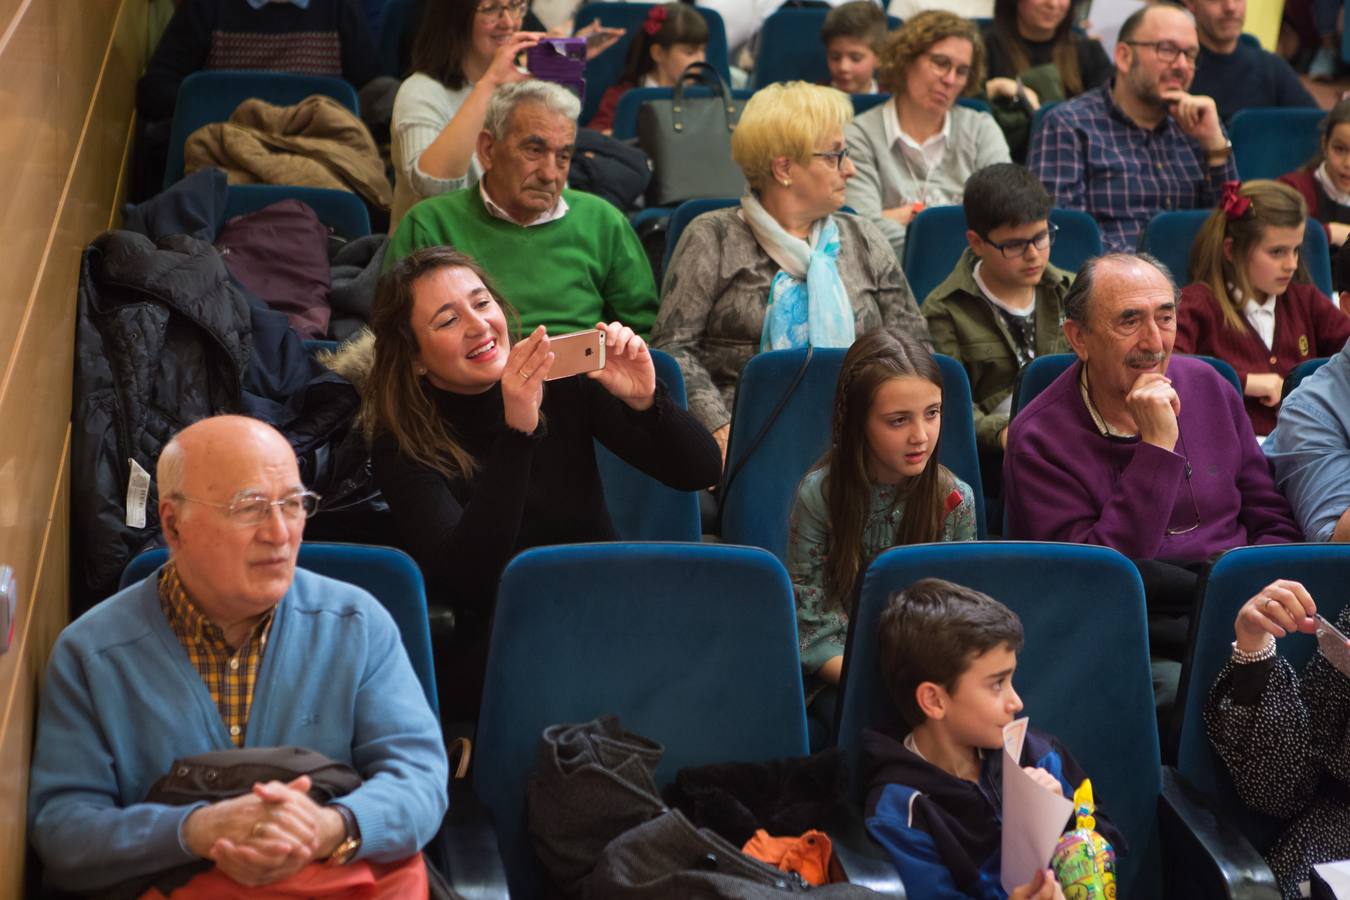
x=229, y=645
x=1141, y=144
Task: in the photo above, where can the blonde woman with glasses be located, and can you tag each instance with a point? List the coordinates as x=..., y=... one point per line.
x=918, y=149
x=784, y=268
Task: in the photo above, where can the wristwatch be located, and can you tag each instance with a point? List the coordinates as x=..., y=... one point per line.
x=1220, y=156
x=351, y=843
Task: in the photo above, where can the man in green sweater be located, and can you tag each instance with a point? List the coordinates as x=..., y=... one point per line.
x=564, y=259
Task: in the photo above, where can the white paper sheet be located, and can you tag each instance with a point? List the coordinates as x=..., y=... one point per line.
x=1337, y=877
x=1033, y=817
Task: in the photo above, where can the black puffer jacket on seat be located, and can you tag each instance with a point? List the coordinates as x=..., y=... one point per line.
x=162, y=339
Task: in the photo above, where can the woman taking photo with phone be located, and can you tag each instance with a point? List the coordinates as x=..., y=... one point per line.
x=464, y=50
x=480, y=459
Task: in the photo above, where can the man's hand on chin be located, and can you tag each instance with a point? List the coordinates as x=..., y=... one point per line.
x=1199, y=119
x=1155, y=406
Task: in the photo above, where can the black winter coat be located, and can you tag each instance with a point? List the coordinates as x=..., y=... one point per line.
x=162, y=339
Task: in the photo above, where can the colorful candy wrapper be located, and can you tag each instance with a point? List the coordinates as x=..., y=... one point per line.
x=1084, y=862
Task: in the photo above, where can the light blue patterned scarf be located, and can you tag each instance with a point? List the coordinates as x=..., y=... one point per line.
x=807, y=300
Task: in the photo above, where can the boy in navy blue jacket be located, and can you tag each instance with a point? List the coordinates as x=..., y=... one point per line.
x=934, y=796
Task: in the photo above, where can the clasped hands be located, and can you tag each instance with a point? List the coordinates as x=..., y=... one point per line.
x=266, y=835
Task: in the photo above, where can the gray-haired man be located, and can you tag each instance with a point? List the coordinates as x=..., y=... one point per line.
x=563, y=258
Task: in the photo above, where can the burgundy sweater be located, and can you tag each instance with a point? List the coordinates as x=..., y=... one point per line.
x=1307, y=325
x=1063, y=481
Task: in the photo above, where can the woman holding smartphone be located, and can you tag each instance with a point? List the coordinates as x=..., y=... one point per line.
x=482, y=452
x=464, y=50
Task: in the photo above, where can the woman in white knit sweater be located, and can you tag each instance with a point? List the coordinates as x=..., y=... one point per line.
x=465, y=50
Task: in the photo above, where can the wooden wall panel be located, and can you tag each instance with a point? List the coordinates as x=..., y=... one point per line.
x=67, y=85
x=48, y=70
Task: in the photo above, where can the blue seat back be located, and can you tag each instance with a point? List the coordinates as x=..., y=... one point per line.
x=979, y=104
x=1083, y=673
x=1302, y=371
x=389, y=575
x=1224, y=368
x=1039, y=115
x=342, y=211
x=626, y=113
x=759, y=499
x=863, y=102
x=1037, y=375
x=644, y=509
x=1271, y=141
x=212, y=95
x=1236, y=577
x=937, y=237
x=607, y=68
x=693, y=645
x=685, y=213
x=398, y=20
x=1169, y=237
x=790, y=48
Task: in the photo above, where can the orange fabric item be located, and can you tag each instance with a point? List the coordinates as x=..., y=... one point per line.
x=808, y=855
x=360, y=880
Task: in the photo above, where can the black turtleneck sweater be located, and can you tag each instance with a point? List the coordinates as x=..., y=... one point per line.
x=530, y=490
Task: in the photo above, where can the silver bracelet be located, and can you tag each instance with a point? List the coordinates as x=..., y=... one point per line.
x=1246, y=657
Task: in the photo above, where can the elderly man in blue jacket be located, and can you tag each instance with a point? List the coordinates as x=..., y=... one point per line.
x=228, y=645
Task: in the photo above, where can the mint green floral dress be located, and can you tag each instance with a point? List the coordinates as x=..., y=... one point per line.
x=822, y=626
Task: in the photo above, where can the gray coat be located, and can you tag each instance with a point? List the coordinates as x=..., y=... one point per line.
x=882, y=181
x=716, y=291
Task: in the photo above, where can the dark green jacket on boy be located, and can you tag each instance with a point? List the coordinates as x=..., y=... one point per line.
x=967, y=327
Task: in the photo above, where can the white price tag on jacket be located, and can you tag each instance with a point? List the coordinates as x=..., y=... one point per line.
x=138, y=491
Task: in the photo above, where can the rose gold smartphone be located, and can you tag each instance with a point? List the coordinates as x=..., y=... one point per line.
x=575, y=353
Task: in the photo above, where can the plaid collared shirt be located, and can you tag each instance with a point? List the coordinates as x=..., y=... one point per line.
x=1091, y=156
x=230, y=674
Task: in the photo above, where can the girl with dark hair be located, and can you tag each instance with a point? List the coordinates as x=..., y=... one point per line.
x=464, y=50
x=1036, y=56
x=671, y=37
x=1324, y=181
x=879, y=485
x=479, y=458
x=1250, y=301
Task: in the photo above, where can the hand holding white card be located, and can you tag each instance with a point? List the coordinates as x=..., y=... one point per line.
x=1033, y=817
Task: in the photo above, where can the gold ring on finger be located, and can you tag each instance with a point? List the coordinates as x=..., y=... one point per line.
x=257, y=829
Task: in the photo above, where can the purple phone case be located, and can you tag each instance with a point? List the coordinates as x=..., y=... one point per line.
x=560, y=60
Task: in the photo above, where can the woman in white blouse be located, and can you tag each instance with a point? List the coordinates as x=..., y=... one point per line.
x=918, y=149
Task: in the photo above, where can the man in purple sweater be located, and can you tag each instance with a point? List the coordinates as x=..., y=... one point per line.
x=1134, y=450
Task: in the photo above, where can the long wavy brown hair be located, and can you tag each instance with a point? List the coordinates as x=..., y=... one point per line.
x=874, y=359
x=396, y=399
x=1063, y=50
